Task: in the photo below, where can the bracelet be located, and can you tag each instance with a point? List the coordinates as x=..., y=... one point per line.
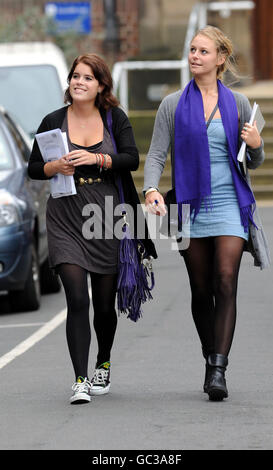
x=99, y=159
x=103, y=160
x=107, y=161
x=151, y=190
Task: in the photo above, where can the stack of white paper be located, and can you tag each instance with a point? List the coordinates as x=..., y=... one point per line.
x=53, y=145
x=256, y=115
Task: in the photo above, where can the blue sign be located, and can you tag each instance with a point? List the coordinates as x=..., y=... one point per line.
x=66, y=17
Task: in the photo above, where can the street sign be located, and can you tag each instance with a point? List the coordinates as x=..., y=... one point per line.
x=67, y=17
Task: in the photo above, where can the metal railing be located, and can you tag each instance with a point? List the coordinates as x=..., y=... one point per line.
x=197, y=20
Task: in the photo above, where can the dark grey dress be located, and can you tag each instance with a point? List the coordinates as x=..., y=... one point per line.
x=71, y=236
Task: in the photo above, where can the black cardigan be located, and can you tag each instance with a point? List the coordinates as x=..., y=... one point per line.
x=125, y=161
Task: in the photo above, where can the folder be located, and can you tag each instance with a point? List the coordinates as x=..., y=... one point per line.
x=257, y=116
x=53, y=145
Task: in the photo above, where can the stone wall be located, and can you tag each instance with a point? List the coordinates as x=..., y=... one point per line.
x=162, y=27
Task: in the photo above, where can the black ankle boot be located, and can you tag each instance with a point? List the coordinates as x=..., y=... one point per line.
x=208, y=371
x=216, y=387
x=207, y=376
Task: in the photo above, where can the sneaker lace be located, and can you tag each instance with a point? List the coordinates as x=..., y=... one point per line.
x=80, y=387
x=100, y=376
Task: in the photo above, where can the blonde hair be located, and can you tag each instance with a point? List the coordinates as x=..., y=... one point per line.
x=223, y=46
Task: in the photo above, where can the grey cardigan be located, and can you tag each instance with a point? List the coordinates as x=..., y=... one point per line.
x=163, y=139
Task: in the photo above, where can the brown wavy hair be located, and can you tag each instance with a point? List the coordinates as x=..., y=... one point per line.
x=105, y=99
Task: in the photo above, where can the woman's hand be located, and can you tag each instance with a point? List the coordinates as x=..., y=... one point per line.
x=80, y=157
x=251, y=136
x=59, y=166
x=154, y=203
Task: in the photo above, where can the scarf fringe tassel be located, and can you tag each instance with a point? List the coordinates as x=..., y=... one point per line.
x=133, y=288
x=247, y=217
x=246, y=213
x=195, y=205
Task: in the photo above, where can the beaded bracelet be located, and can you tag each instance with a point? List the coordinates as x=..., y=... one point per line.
x=99, y=157
x=103, y=160
x=108, y=161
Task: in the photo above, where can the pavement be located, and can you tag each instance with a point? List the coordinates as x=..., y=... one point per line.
x=156, y=399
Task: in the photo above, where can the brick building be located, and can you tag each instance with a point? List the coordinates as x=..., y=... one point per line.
x=115, y=25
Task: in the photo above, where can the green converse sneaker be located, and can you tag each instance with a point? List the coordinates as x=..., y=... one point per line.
x=100, y=382
x=81, y=391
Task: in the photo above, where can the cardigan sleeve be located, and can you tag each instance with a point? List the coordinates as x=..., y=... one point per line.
x=36, y=163
x=127, y=156
x=161, y=141
x=256, y=156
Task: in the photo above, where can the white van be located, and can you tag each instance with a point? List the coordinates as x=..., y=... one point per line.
x=33, y=77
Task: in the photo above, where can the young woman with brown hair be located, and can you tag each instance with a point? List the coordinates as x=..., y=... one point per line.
x=94, y=164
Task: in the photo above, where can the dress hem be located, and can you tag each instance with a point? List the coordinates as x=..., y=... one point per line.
x=54, y=267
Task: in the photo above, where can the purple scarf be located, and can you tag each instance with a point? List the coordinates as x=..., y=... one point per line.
x=191, y=151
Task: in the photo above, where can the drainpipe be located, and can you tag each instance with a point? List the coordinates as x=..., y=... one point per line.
x=111, y=42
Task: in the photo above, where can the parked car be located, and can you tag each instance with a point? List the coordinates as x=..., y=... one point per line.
x=24, y=270
x=33, y=78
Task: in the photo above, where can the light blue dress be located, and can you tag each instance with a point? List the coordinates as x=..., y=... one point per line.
x=223, y=218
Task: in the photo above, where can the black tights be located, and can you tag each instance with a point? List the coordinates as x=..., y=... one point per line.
x=213, y=268
x=75, y=282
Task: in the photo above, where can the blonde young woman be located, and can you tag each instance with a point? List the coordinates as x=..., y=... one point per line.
x=206, y=175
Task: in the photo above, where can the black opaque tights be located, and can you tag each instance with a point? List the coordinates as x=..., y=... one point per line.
x=78, y=332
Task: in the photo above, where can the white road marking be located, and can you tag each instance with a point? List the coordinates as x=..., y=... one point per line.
x=33, y=339
x=21, y=325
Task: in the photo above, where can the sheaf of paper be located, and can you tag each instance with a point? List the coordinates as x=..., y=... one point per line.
x=53, y=145
x=256, y=115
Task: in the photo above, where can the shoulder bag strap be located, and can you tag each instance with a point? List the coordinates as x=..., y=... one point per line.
x=212, y=114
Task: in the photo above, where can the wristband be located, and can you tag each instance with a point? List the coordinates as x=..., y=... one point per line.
x=102, y=159
x=150, y=190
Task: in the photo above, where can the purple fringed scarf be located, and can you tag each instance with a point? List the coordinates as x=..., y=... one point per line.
x=133, y=273
x=191, y=151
